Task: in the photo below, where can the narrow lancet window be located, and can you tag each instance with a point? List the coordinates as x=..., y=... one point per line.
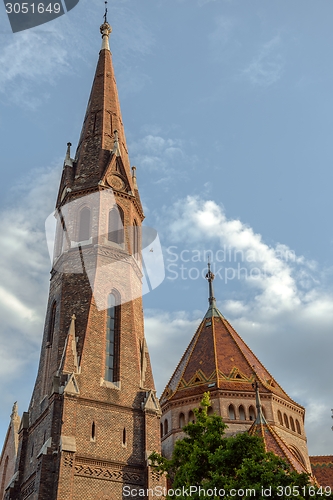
x=50, y=332
x=93, y=431
x=116, y=225
x=124, y=437
x=112, y=340
x=84, y=224
x=135, y=240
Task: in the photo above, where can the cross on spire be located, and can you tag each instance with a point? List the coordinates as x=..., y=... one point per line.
x=210, y=278
x=106, y=12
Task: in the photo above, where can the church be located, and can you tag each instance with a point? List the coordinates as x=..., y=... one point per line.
x=94, y=416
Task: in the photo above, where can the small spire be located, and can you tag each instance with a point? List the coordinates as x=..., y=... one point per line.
x=14, y=410
x=260, y=416
x=134, y=177
x=68, y=160
x=106, y=30
x=210, y=278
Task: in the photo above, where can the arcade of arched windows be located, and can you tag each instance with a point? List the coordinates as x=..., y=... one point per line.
x=242, y=412
x=289, y=422
x=234, y=412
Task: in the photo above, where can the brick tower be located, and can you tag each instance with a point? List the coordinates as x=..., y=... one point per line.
x=94, y=417
x=218, y=360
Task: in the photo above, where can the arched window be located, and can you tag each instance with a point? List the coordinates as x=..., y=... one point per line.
x=210, y=411
x=84, y=224
x=50, y=332
x=124, y=437
x=280, y=417
x=191, y=418
x=135, y=240
x=181, y=420
x=166, y=426
x=298, y=454
x=161, y=429
x=116, y=225
x=298, y=427
x=93, y=431
x=232, y=415
x=286, y=421
x=59, y=236
x=112, y=340
x=252, y=413
x=241, y=413
x=292, y=425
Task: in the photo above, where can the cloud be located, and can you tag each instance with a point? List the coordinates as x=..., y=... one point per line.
x=224, y=45
x=24, y=262
x=159, y=155
x=163, y=329
x=267, y=67
x=28, y=60
x=284, y=311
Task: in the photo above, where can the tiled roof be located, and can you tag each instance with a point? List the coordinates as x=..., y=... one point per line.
x=275, y=444
x=217, y=354
x=322, y=468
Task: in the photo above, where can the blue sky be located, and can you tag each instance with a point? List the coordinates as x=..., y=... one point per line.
x=228, y=113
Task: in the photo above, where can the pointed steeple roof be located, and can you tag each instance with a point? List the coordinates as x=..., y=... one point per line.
x=272, y=441
x=102, y=138
x=217, y=357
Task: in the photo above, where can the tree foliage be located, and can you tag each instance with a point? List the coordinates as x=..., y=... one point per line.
x=229, y=467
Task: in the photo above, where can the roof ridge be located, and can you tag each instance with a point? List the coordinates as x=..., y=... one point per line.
x=181, y=359
x=278, y=438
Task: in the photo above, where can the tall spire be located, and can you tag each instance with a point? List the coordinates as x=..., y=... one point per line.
x=103, y=125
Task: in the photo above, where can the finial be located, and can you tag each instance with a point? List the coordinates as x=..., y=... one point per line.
x=106, y=30
x=210, y=278
x=14, y=410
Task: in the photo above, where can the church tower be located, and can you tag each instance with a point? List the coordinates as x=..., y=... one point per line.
x=94, y=417
x=218, y=361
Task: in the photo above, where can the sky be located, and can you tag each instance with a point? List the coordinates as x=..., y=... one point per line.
x=228, y=114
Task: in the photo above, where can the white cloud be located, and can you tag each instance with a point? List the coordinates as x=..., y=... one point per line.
x=163, y=329
x=27, y=61
x=267, y=67
x=160, y=155
x=24, y=262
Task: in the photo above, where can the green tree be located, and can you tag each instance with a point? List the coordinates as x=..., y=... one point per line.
x=231, y=468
